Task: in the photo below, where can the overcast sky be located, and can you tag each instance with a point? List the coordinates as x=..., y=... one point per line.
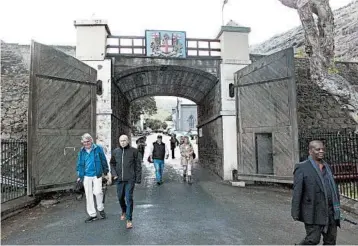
x=51, y=22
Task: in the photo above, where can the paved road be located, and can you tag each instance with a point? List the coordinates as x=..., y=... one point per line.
x=207, y=212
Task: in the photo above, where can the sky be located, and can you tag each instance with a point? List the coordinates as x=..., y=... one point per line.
x=51, y=22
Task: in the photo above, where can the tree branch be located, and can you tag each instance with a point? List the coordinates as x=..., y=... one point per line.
x=319, y=40
x=289, y=3
x=326, y=31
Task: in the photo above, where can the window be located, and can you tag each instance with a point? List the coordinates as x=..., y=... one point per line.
x=191, y=121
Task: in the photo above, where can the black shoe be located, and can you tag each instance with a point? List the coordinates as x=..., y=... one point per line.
x=103, y=214
x=90, y=219
x=158, y=183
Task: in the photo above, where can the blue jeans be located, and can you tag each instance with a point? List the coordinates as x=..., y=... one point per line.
x=159, y=167
x=125, y=196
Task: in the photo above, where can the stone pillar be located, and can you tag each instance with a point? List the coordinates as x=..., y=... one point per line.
x=234, y=44
x=91, y=49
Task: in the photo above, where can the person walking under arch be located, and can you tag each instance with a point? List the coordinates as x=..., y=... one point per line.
x=187, y=151
x=181, y=140
x=126, y=167
x=141, y=143
x=158, y=152
x=173, y=144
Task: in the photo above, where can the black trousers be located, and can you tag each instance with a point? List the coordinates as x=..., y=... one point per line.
x=141, y=153
x=173, y=150
x=314, y=232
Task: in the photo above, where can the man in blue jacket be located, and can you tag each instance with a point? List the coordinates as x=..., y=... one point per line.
x=91, y=165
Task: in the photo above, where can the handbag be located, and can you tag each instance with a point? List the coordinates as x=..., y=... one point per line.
x=149, y=159
x=79, y=189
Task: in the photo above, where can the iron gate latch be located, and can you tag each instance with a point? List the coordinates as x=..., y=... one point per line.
x=64, y=150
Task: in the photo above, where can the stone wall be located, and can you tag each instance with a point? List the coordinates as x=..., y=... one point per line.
x=14, y=91
x=120, y=118
x=15, y=77
x=211, y=66
x=315, y=107
x=210, y=146
x=210, y=106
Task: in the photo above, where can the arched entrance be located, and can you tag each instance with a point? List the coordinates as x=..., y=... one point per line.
x=191, y=83
x=203, y=73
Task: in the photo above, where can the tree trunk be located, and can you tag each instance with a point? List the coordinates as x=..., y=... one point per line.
x=320, y=48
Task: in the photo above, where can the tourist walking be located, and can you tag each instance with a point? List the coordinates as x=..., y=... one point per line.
x=126, y=167
x=187, y=152
x=315, y=199
x=141, y=144
x=173, y=144
x=158, y=152
x=91, y=165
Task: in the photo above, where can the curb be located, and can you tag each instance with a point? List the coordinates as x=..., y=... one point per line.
x=16, y=206
x=347, y=204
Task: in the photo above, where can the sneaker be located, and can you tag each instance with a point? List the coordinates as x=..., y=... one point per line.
x=129, y=224
x=90, y=219
x=103, y=214
x=123, y=216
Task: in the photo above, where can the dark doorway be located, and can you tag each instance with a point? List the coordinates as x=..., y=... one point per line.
x=264, y=158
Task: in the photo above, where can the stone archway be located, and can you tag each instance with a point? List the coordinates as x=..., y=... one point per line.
x=216, y=111
x=165, y=80
x=197, y=85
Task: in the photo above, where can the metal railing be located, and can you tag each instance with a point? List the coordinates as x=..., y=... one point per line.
x=13, y=169
x=342, y=155
x=136, y=46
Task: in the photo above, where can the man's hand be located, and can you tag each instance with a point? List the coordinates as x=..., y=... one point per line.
x=115, y=177
x=109, y=179
x=167, y=156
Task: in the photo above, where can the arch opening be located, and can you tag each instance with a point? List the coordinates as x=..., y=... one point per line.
x=197, y=81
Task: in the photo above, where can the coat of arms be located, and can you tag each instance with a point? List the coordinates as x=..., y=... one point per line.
x=166, y=44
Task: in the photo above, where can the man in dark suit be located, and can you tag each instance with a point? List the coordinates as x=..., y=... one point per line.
x=315, y=199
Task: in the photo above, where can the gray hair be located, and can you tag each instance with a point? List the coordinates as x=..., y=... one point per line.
x=86, y=137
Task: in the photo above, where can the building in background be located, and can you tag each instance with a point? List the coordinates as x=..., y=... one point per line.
x=188, y=117
x=185, y=116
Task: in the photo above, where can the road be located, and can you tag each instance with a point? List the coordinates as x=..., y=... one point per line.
x=207, y=212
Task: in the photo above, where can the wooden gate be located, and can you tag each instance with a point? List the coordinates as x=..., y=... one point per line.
x=62, y=107
x=266, y=104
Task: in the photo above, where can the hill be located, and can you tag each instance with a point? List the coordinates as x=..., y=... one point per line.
x=346, y=36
